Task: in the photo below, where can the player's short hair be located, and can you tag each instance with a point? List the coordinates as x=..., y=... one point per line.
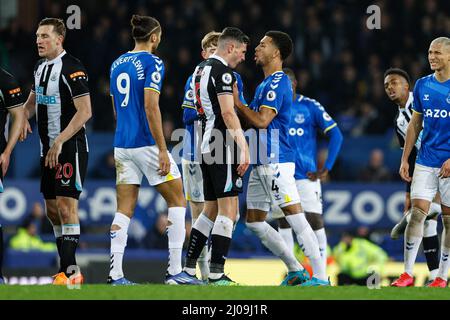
x=442, y=40
x=290, y=73
x=210, y=40
x=58, y=25
x=282, y=41
x=144, y=27
x=232, y=33
x=399, y=72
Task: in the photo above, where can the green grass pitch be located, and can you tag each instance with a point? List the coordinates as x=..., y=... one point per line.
x=165, y=292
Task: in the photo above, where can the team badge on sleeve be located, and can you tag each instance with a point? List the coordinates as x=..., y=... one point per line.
x=189, y=95
x=156, y=77
x=226, y=78
x=271, y=95
x=326, y=116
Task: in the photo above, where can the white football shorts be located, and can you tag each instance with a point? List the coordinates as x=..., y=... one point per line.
x=192, y=181
x=426, y=183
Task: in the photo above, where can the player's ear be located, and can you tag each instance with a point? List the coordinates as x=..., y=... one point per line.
x=203, y=54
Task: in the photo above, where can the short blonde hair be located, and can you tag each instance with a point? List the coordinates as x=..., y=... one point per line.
x=210, y=40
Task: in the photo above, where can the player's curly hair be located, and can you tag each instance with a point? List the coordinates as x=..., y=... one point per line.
x=144, y=27
x=282, y=41
x=399, y=72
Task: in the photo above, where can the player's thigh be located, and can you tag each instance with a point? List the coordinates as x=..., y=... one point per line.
x=47, y=186
x=222, y=179
x=425, y=184
x=444, y=192
x=67, y=209
x=172, y=192
x=258, y=197
x=70, y=173
x=279, y=183
x=310, y=193
x=255, y=215
x=127, y=171
x=192, y=181
x=228, y=206
x=147, y=159
x=52, y=211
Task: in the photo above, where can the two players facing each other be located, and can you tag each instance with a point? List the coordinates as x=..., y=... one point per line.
x=136, y=80
x=213, y=84
x=428, y=125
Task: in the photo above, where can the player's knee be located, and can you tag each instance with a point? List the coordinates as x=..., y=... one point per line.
x=283, y=224
x=416, y=222
x=65, y=209
x=256, y=227
x=315, y=220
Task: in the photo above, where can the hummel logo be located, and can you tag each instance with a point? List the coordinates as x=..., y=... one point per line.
x=426, y=97
x=409, y=245
x=444, y=257
x=113, y=234
x=274, y=86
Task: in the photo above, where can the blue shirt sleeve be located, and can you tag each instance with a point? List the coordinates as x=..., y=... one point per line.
x=188, y=106
x=275, y=92
x=417, y=103
x=154, y=74
x=334, y=146
x=321, y=117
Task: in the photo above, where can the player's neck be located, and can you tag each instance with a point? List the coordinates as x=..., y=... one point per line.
x=403, y=101
x=55, y=54
x=443, y=74
x=271, y=68
x=142, y=47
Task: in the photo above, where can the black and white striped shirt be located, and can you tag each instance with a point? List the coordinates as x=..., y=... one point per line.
x=212, y=77
x=56, y=83
x=404, y=115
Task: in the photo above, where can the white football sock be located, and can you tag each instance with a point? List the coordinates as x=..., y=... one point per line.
x=118, y=244
x=322, y=240
x=275, y=243
x=286, y=234
x=176, y=232
x=445, y=249
x=413, y=238
x=307, y=238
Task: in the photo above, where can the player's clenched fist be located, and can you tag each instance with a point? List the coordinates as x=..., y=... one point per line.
x=404, y=171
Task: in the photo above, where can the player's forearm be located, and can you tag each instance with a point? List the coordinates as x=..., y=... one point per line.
x=234, y=128
x=334, y=146
x=29, y=106
x=412, y=133
x=155, y=124
x=254, y=118
x=79, y=119
x=17, y=116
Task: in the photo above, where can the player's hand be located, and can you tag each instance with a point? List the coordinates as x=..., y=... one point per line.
x=445, y=170
x=244, y=162
x=26, y=128
x=404, y=171
x=237, y=101
x=51, y=160
x=164, y=163
x=4, y=162
x=321, y=174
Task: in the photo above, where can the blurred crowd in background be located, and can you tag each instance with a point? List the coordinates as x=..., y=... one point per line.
x=337, y=59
